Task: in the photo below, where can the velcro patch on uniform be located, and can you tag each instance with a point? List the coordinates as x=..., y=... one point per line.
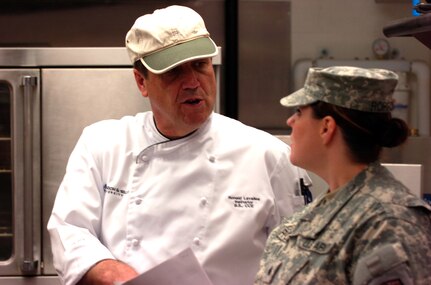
x=318, y=246
x=383, y=265
x=285, y=231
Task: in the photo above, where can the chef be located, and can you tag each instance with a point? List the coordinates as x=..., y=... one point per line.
x=141, y=189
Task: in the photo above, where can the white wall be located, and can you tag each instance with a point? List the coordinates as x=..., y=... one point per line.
x=347, y=28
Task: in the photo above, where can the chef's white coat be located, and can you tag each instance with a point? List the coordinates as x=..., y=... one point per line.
x=133, y=195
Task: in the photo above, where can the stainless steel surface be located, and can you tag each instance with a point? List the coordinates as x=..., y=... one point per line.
x=41, y=280
x=17, y=231
x=264, y=63
x=29, y=265
x=30, y=57
x=79, y=56
x=72, y=99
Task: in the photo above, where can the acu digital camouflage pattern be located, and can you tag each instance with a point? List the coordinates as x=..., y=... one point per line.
x=372, y=231
x=368, y=90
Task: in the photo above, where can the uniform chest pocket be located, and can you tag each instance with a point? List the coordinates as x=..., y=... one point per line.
x=299, y=264
x=281, y=272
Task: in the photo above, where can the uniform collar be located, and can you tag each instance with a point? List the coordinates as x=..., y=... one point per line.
x=326, y=207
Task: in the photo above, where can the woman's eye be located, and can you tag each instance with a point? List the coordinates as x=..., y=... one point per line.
x=298, y=111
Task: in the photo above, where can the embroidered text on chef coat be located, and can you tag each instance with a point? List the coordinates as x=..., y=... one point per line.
x=243, y=201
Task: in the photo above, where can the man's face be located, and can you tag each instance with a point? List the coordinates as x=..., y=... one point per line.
x=181, y=98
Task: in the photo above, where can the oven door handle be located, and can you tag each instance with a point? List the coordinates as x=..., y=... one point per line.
x=29, y=264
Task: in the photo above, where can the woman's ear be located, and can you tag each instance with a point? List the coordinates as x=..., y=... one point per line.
x=328, y=129
x=140, y=81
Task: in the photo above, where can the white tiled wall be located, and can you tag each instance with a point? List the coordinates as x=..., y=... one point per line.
x=347, y=28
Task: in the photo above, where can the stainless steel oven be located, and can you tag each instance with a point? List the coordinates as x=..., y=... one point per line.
x=47, y=96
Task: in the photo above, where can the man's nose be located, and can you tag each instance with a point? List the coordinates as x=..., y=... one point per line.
x=190, y=78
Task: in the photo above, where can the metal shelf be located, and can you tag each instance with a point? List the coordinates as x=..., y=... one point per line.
x=392, y=1
x=418, y=27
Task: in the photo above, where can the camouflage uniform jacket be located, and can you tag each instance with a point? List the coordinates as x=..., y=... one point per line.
x=372, y=231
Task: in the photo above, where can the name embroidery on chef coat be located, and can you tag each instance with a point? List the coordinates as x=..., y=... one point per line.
x=243, y=201
x=114, y=190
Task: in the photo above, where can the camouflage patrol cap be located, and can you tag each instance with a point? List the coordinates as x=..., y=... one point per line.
x=362, y=89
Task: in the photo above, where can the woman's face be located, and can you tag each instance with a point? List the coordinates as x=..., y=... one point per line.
x=305, y=140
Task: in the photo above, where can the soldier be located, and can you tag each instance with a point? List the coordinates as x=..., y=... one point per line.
x=367, y=228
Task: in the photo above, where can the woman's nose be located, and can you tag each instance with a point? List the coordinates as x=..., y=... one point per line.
x=290, y=120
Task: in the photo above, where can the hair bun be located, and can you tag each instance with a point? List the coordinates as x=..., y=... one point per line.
x=395, y=133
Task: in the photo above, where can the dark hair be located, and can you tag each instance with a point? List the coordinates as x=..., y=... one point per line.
x=139, y=66
x=365, y=133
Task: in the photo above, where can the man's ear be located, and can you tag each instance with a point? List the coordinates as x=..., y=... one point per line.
x=140, y=81
x=328, y=129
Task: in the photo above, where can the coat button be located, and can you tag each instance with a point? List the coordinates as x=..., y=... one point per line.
x=211, y=159
x=138, y=201
x=135, y=242
x=197, y=241
x=204, y=201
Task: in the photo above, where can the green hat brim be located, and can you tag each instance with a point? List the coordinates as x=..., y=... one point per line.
x=168, y=58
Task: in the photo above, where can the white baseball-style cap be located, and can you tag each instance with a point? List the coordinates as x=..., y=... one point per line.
x=169, y=37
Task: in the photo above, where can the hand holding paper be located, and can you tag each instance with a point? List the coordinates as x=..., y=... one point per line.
x=182, y=269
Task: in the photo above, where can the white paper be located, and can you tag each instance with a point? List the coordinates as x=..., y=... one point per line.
x=182, y=269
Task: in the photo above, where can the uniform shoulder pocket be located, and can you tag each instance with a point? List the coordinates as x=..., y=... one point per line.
x=384, y=265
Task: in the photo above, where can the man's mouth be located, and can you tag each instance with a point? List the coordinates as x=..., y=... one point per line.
x=192, y=101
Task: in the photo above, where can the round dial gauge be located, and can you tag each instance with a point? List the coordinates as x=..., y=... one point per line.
x=381, y=48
